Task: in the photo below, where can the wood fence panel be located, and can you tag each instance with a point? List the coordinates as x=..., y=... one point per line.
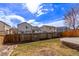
x=16, y=38
x=71, y=33
x=50, y=35
x=35, y=37
x=1, y=39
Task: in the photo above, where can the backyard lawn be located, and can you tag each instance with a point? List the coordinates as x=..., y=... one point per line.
x=51, y=47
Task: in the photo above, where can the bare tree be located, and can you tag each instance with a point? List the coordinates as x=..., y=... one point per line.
x=71, y=18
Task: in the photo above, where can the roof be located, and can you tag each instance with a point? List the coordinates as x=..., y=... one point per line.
x=62, y=27
x=23, y=23
x=35, y=28
x=47, y=26
x=5, y=23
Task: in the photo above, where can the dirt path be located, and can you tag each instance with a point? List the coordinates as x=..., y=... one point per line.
x=6, y=50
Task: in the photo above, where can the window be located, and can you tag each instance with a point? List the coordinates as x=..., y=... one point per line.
x=26, y=27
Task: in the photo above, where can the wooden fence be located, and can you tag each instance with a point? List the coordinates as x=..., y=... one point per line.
x=1, y=39
x=17, y=38
x=71, y=33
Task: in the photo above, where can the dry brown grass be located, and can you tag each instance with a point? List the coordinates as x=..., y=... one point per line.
x=52, y=47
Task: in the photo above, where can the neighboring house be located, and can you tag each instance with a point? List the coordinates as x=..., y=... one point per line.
x=13, y=30
x=24, y=28
x=27, y=28
x=46, y=28
x=36, y=29
x=61, y=29
x=4, y=28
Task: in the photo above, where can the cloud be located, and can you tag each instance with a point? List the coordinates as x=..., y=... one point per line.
x=16, y=17
x=31, y=21
x=44, y=9
x=13, y=17
x=36, y=7
x=34, y=22
x=7, y=16
x=59, y=23
x=7, y=19
x=32, y=6
x=39, y=13
x=3, y=14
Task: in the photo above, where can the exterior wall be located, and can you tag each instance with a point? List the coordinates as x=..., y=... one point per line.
x=36, y=29
x=4, y=28
x=48, y=29
x=62, y=29
x=13, y=31
x=7, y=28
x=24, y=28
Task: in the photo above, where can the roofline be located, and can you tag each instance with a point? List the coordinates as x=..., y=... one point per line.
x=5, y=23
x=23, y=22
x=47, y=26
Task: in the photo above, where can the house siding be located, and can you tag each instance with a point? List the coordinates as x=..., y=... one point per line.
x=4, y=28
x=48, y=29
x=24, y=28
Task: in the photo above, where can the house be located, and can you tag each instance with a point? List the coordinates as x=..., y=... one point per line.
x=13, y=30
x=61, y=29
x=27, y=28
x=46, y=28
x=36, y=29
x=4, y=28
x=24, y=28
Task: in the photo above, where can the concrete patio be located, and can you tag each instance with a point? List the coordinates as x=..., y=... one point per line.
x=72, y=42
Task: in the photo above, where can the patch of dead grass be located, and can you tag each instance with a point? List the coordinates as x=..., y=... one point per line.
x=51, y=47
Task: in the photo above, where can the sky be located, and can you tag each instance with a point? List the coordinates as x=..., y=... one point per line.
x=37, y=14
